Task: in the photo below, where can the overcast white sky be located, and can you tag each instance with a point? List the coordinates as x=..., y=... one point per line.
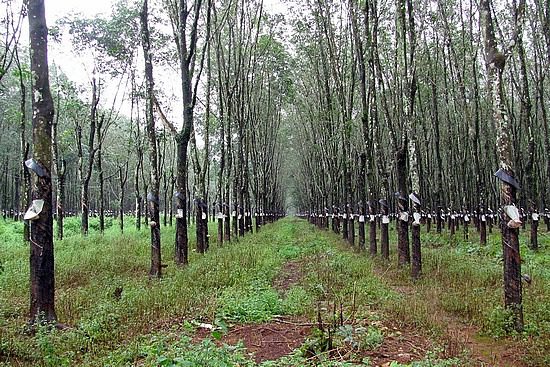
x=57, y=8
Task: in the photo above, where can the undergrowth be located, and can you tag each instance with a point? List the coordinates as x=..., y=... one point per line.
x=152, y=323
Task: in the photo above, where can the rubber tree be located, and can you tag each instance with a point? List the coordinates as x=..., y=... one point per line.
x=414, y=164
x=495, y=63
x=42, y=277
x=185, y=17
x=201, y=169
x=24, y=147
x=111, y=43
x=10, y=24
x=153, y=195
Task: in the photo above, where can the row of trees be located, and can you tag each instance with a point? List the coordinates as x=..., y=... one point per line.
x=368, y=100
x=423, y=100
x=213, y=146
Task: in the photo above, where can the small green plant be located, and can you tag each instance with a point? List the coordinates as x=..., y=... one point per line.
x=499, y=323
x=297, y=301
x=432, y=360
x=368, y=338
x=102, y=325
x=372, y=339
x=46, y=339
x=204, y=354
x=250, y=305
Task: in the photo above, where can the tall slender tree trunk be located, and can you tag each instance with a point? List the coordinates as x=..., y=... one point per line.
x=373, y=247
x=42, y=279
x=527, y=121
x=495, y=62
x=153, y=196
x=384, y=230
x=60, y=167
x=403, y=251
x=100, y=177
x=181, y=254
x=137, y=194
x=187, y=49
x=86, y=175
x=123, y=178
x=362, y=205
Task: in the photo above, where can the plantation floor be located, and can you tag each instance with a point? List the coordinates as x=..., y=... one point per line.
x=290, y=295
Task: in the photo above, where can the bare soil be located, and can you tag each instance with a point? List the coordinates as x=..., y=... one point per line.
x=291, y=274
x=267, y=341
x=401, y=344
x=460, y=336
x=484, y=351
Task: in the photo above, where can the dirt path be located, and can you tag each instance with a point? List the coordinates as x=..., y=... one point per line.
x=290, y=275
x=267, y=341
x=281, y=336
x=483, y=351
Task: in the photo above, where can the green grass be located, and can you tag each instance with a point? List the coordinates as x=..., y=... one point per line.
x=464, y=280
x=153, y=322
x=221, y=284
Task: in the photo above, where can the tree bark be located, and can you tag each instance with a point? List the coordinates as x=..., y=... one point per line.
x=42, y=279
x=495, y=62
x=100, y=177
x=123, y=178
x=187, y=51
x=153, y=196
x=384, y=235
x=60, y=170
x=403, y=250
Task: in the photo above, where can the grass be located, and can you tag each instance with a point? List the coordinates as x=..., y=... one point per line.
x=154, y=320
x=463, y=280
x=220, y=284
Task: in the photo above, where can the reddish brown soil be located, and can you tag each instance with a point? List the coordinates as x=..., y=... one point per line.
x=400, y=344
x=484, y=351
x=275, y=339
x=268, y=341
x=459, y=336
x=291, y=274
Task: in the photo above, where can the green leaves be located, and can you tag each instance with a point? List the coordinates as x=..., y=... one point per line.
x=256, y=303
x=112, y=41
x=204, y=354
